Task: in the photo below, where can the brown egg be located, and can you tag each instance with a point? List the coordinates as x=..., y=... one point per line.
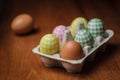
x=22, y=24
x=72, y=51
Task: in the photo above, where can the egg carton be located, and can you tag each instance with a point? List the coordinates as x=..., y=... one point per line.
x=73, y=65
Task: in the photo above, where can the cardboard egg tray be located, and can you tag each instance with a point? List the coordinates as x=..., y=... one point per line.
x=73, y=65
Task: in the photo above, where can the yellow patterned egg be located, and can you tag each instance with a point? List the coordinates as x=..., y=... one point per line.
x=75, y=23
x=49, y=44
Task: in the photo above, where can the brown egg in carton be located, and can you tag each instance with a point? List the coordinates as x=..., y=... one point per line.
x=74, y=65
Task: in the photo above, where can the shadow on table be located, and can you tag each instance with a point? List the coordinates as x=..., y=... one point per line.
x=89, y=67
x=34, y=31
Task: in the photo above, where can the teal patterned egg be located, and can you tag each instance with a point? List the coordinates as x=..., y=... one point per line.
x=96, y=27
x=83, y=37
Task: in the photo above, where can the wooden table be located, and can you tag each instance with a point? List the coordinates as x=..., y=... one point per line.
x=17, y=62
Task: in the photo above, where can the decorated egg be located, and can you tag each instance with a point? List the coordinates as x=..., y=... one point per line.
x=75, y=24
x=83, y=37
x=72, y=51
x=59, y=31
x=96, y=27
x=49, y=44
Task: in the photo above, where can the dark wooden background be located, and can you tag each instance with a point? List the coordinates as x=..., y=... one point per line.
x=17, y=62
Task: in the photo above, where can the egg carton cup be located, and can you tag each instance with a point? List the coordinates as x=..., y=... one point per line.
x=73, y=66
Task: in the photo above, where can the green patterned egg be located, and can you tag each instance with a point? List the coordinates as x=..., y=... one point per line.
x=83, y=37
x=96, y=27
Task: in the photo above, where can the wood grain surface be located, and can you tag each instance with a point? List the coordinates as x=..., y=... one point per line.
x=17, y=62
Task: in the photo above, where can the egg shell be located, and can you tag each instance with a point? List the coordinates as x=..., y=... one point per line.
x=72, y=51
x=75, y=24
x=22, y=24
x=83, y=37
x=49, y=44
x=59, y=31
x=96, y=27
